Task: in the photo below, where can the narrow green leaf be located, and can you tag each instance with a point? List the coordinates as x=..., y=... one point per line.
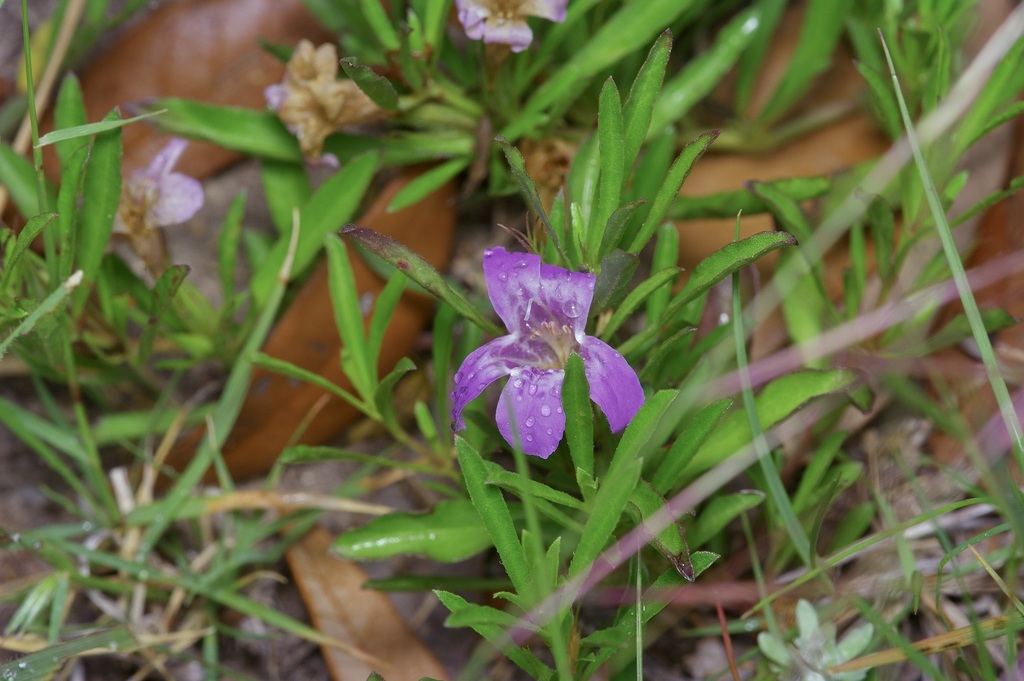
x=617, y=226
x=631, y=27
x=822, y=27
x=49, y=304
x=721, y=510
x=665, y=257
x=450, y=532
x=421, y=272
x=1003, y=86
x=349, y=318
x=730, y=204
x=691, y=436
x=164, y=290
x=605, y=510
x=24, y=240
x=522, y=486
x=777, y=401
x=494, y=633
x=490, y=504
x=68, y=201
x=377, y=87
x=227, y=246
x=259, y=133
x=427, y=182
x=611, y=150
x=89, y=129
x=704, y=72
x=69, y=112
x=330, y=207
x=101, y=194
x=643, y=94
x=637, y=297
x=376, y=16
x=383, y=310
x=286, y=186
x=883, y=104
x=579, y=415
x=18, y=176
x=612, y=285
x=517, y=164
x=677, y=175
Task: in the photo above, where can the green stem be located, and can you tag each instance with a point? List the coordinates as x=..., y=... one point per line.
x=37, y=152
x=963, y=286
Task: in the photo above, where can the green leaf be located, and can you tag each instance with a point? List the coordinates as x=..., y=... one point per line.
x=490, y=504
x=450, y=532
x=677, y=175
x=377, y=87
x=18, y=176
x=958, y=329
x=691, y=436
x=375, y=15
x=512, y=481
x=330, y=207
x=349, y=319
x=517, y=164
x=24, y=240
x=101, y=194
x=286, y=186
x=777, y=401
x=47, y=306
x=721, y=510
x=259, y=133
x=605, y=510
x=732, y=203
x=494, y=633
x=164, y=290
x=647, y=502
x=68, y=197
x=1003, y=85
x=643, y=94
x=227, y=246
x=822, y=27
x=617, y=270
x=427, y=182
x=579, y=415
x=69, y=112
x=703, y=73
x=631, y=27
x=89, y=129
x=883, y=103
x=617, y=225
x=636, y=298
x=611, y=151
x=420, y=271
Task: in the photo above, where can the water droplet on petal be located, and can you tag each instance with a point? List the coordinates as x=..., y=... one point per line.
x=572, y=309
x=519, y=398
x=558, y=410
x=532, y=389
x=549, y=431
x=529, y=438
x=503, y=276
x=458, y=376
x=530, y=421
x=545, y=410
x=518, y=383
x=521, y=263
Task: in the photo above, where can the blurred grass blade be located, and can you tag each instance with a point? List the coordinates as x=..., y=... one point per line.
x=92, y=128
x=704, y=72
x=248, y=131
x=956, y=267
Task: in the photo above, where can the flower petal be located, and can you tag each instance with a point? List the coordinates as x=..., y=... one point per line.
x=526, y=294
x=530, y=407
x=552, y=10
x=515, y=34
x=614, y=385
x=180, y=196
x=482, y=367
x=166, y=158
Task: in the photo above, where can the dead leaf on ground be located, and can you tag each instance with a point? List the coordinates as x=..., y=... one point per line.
x=340, y=608
x=206, y=50
x=307, y=336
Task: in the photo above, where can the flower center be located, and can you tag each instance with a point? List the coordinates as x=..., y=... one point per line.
x=560, y=339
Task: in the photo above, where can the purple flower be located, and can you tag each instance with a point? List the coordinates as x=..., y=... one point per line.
x=156, y=197
x=545, y=309
x=504, y=21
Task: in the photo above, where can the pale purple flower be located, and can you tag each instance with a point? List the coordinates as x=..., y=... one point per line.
x=156, y=197
x=504, y=21
x=545, y=310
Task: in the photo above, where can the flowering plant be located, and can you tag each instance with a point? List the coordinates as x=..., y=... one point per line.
x=545, y=309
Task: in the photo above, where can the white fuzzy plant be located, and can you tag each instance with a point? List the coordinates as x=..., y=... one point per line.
x=815, y=650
